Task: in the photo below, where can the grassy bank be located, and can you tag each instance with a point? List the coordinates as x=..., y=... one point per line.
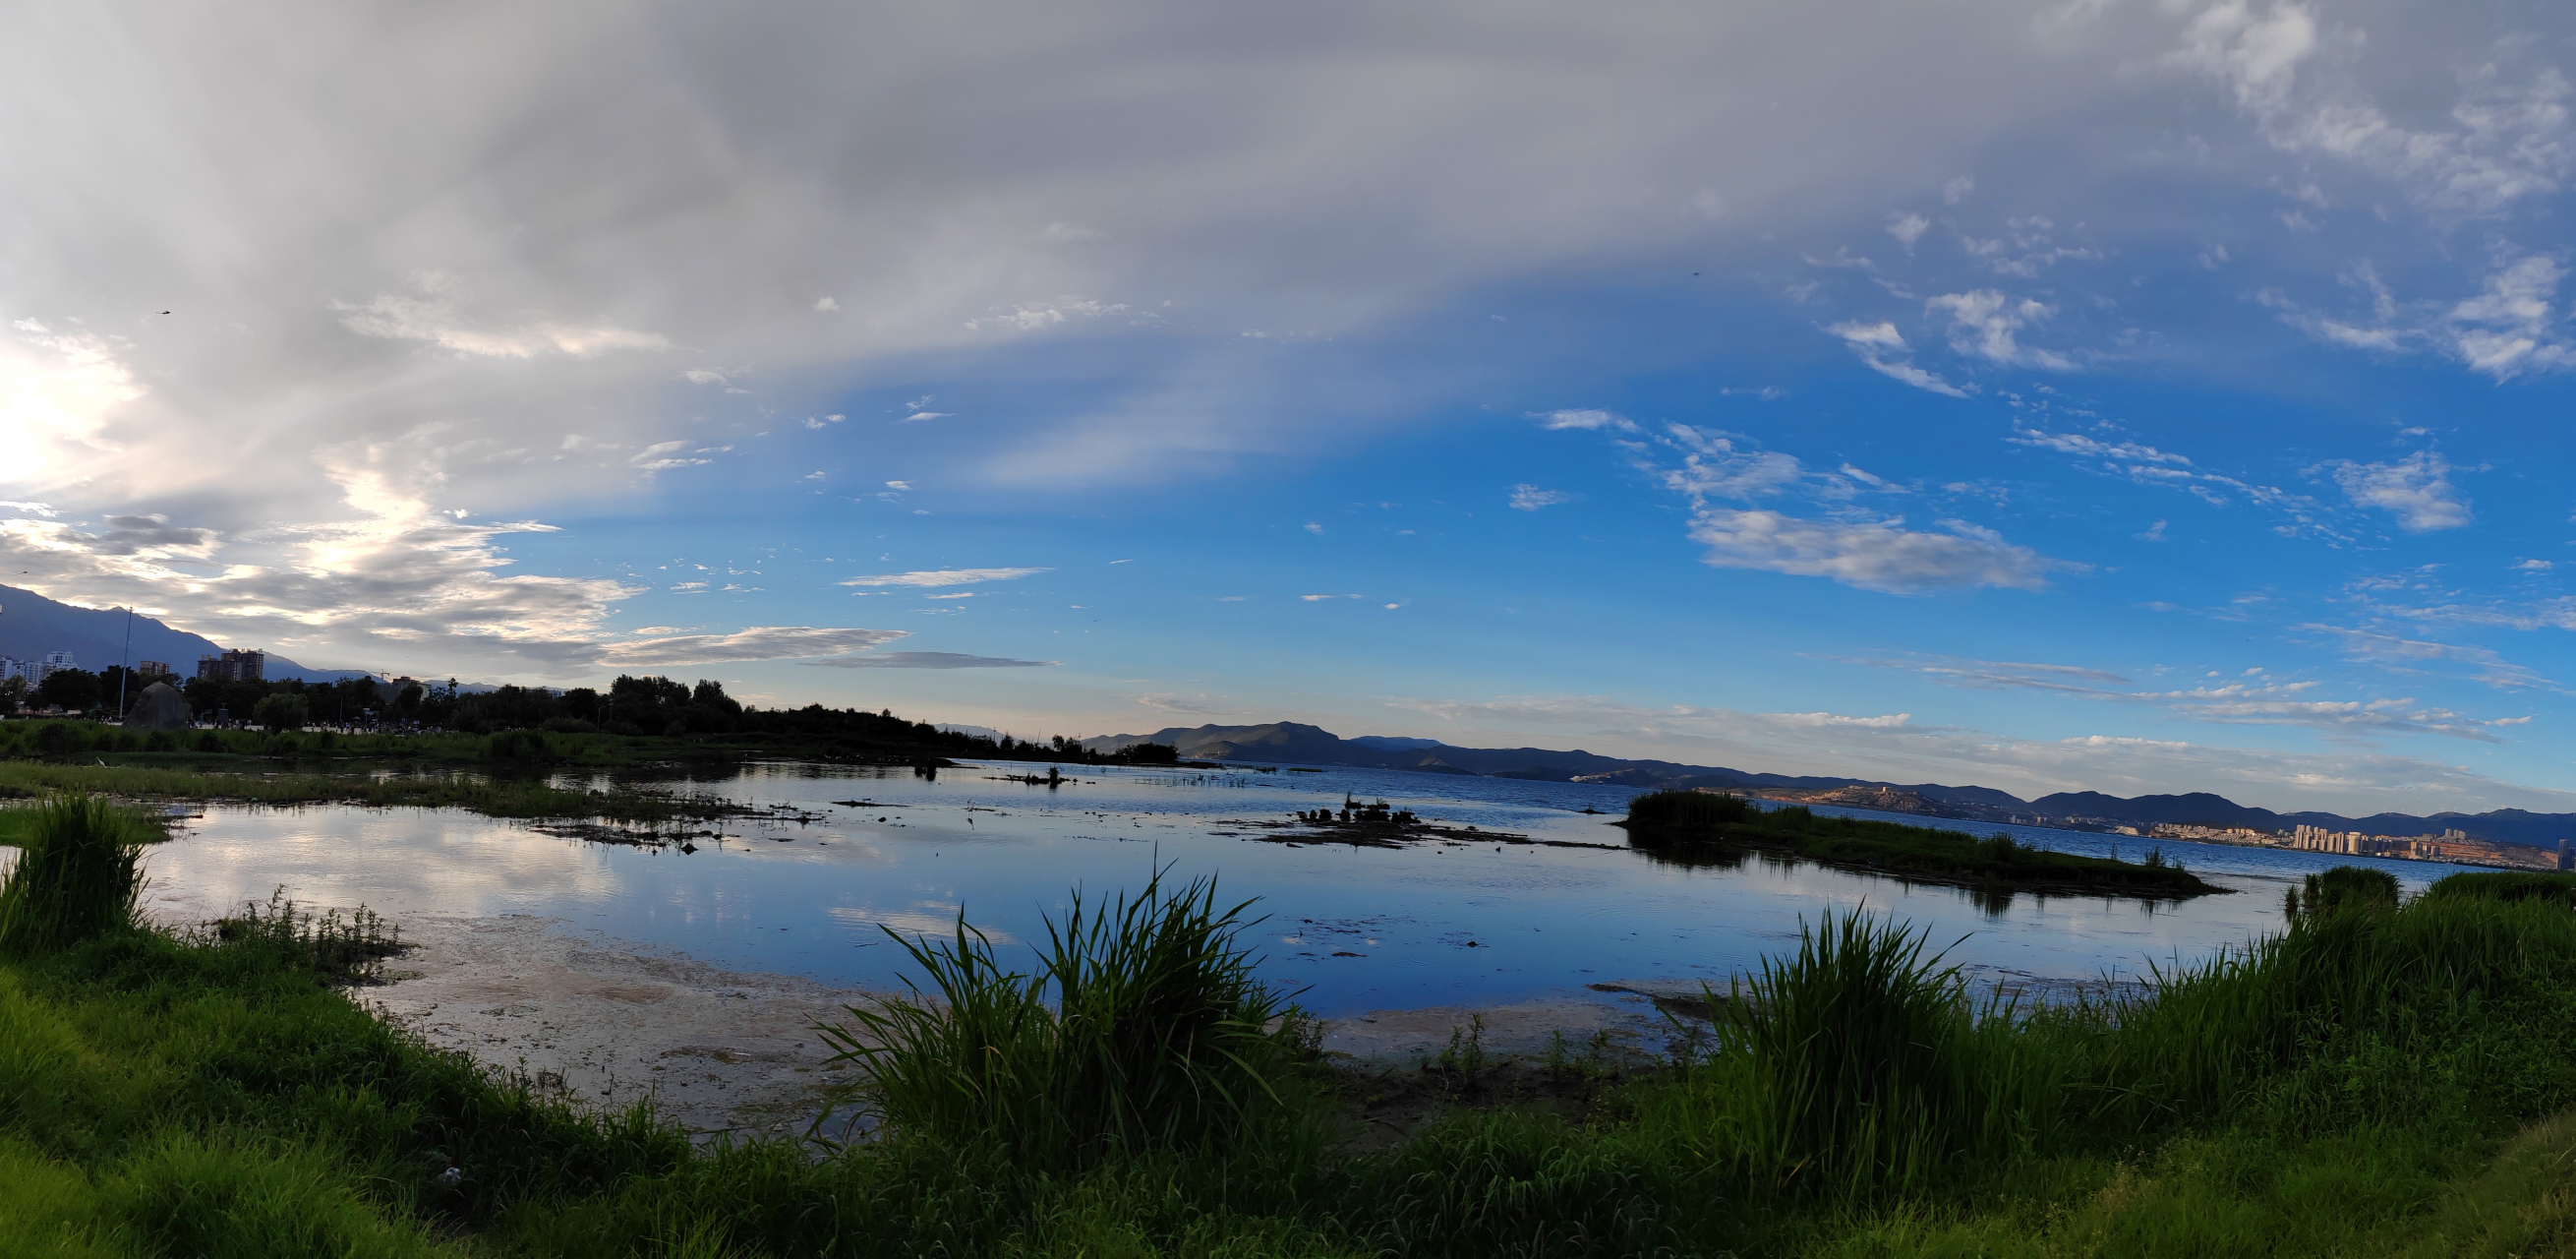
x=493, y=797
x=1688, y=824
x=2379, y=1080
x=499, y=775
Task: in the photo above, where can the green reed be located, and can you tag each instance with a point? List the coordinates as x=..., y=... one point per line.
x=78, y=872
x=1142, y=1027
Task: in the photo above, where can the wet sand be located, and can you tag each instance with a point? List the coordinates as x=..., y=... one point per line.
x=715, y=1050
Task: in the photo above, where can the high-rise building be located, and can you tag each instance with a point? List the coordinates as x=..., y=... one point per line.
x=235, y=665
x=53, y=663
x=155, y=669
x=2566, y=856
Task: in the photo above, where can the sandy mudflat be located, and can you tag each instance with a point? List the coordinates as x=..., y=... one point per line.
x=717, y=1050
x=729, y=1051
x=724, y=1050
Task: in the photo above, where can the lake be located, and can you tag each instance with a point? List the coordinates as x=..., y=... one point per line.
x=1358, y=929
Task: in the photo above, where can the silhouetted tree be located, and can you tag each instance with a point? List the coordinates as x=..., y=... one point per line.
x=72, y=690
x=282, y=711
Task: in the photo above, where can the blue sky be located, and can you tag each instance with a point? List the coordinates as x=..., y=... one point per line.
x=2126, y=396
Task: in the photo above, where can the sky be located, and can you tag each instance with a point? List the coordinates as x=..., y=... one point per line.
x=2123, y=395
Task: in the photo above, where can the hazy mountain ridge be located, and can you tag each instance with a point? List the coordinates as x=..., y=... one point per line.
x=1294, y=742
x=32, y=625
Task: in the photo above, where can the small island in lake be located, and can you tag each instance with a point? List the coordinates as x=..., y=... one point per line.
x=1662, y=820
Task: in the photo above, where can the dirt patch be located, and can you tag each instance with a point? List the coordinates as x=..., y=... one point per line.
x=715, y=1050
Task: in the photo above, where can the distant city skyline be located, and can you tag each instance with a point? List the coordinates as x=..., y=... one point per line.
x=2120, y=397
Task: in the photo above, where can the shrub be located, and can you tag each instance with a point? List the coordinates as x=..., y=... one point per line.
x=570, y=725
x=76, y=877
x=524, y=746
x=279, y=712
x=61, y=740
x=1159, y=1036
x=209, y=741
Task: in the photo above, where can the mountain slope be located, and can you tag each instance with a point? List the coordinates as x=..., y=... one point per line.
x=1291, y=741
x=31, y=626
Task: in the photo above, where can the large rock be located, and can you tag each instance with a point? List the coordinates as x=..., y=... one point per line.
x=159, y=707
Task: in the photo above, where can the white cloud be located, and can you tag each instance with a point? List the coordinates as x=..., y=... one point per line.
x=57, y=400
x=1532, y=498
x=1984, y=324
x=2511, y=326
x=2416, y=489
x=945, y=577
x=2411, y=655
x=826, y=304
x=2263, y=702
x=1883, y=348
x=1583, y=419
x=759, y=642
x=1871, y=336
x=2511, y=141
x=429, y=313
x=927, y=660
x=1877, y=555
x=1908, y=228
x=1031, y=316
x=662, y=456
x=1714, y=467
x=401, y=575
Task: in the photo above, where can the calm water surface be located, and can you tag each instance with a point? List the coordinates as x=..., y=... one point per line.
x=1430, y=924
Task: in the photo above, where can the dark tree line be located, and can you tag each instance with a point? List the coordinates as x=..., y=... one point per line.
x=649, y=705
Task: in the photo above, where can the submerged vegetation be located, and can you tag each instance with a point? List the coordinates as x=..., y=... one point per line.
x=1698, y=824
x=2378, y=1079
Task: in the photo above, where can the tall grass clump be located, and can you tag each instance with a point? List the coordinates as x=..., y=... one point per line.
x=1142, y=1028
x=2506, y=885
x=1686, y=808
x=78, y=872
x=2342, y=888
x=1862, y=1065
x=2304, y=1031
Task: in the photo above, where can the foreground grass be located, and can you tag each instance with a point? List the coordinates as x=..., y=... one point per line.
x=2387, y=1081
x=1700, y=826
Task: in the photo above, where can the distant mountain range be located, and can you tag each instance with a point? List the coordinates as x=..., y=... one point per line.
x=1290, y=742
x=31, y=626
